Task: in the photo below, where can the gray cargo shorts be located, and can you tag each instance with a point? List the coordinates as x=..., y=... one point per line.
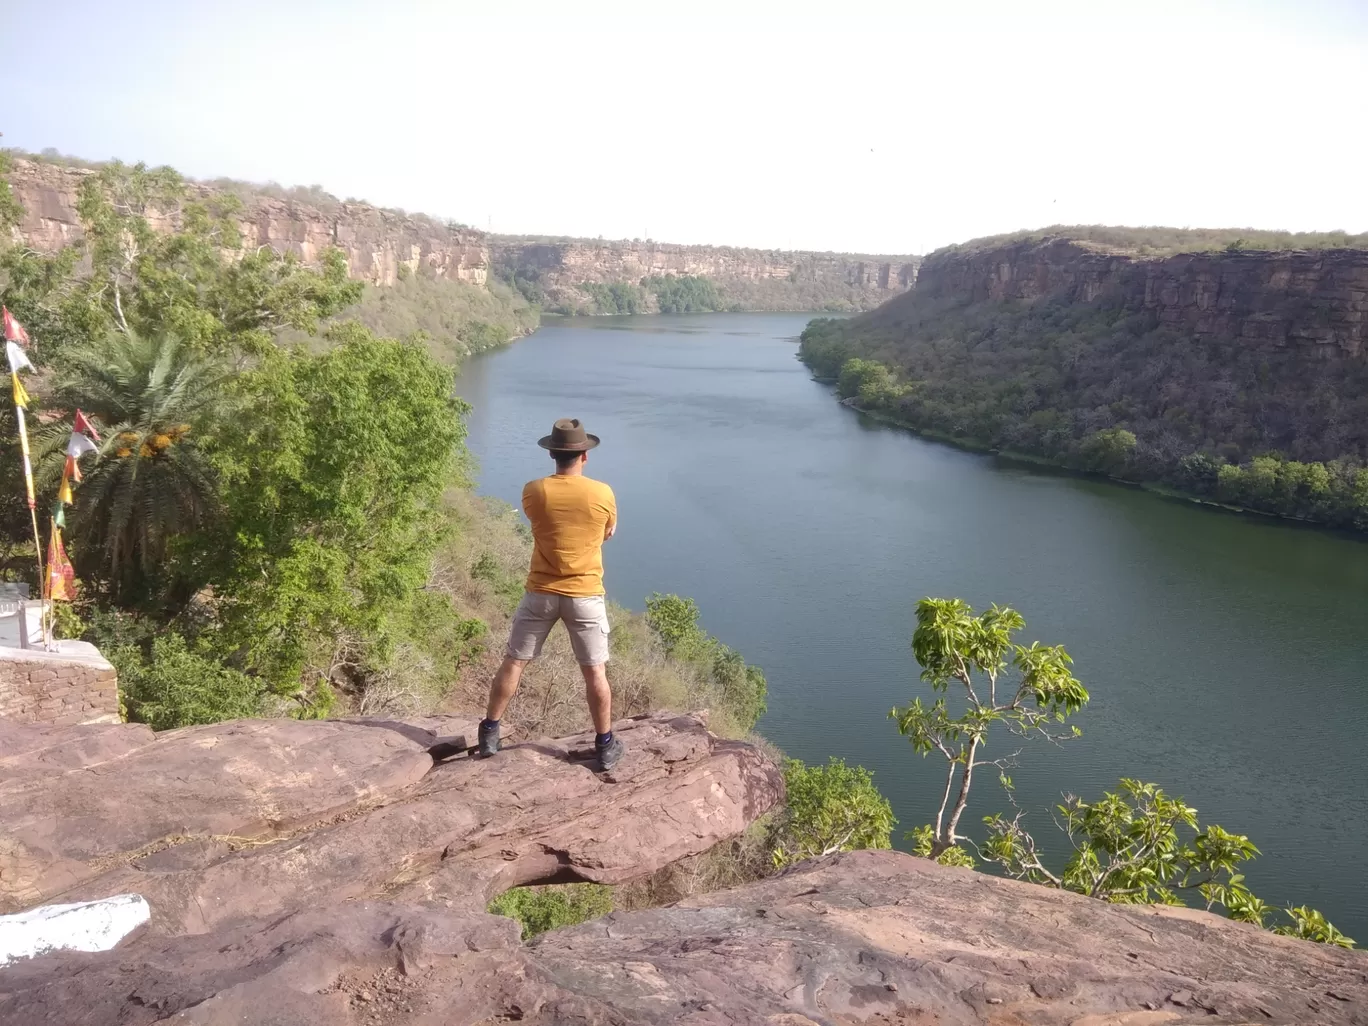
x=585, y=618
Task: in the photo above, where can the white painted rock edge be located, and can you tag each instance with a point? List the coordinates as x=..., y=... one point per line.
x=82, y=926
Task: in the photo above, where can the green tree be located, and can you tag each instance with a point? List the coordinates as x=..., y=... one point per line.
x=822, y=347
x=830, y=808
x=955, y=647
x=332, y=481
x=675, y=622
x=11, y=210
x=684, y=293
x=742, y=689
x=1139, y=845
x=1108, y=451
x=178, y=685
x=144, y=277
x=151, y=482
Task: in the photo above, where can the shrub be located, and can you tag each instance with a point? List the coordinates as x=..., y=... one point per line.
x=831, y=808
x=539, y=909
x=179, y=686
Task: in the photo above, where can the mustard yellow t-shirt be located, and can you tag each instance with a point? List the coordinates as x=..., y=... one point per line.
x=570, y=515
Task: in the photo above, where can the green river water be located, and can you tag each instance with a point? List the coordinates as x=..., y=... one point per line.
x=1225, y=654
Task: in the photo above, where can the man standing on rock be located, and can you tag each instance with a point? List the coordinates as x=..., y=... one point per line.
x=572, y=516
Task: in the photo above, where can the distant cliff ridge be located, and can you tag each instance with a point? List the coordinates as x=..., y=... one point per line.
x=750, y=279
x=1233, y=373
x=377, y=243
x=384, y=246
x=1315, y=298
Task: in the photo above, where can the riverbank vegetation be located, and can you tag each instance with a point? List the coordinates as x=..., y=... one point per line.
x=1108, y=391
x=455, y=319
x=670, y=294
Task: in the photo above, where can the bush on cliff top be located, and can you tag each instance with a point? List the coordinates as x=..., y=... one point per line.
x=1157, y=241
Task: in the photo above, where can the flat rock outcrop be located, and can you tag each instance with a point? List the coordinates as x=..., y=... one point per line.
x=868, y=937
x=336, y=873
x=263, y=817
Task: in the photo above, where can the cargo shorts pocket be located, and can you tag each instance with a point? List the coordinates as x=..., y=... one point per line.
x=587, y=621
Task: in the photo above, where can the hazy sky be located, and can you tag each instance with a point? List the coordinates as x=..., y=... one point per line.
x=859, y=126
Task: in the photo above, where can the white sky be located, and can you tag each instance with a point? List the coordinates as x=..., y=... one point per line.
x=888, y=128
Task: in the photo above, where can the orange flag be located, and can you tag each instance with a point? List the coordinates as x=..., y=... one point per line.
x=61, y=574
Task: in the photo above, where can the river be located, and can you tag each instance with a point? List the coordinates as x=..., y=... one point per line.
x=1224, y=654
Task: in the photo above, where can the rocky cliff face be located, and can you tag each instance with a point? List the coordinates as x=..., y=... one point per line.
x=377, y=243
x=754, y=279
x=336, y=873
x=1315, y=299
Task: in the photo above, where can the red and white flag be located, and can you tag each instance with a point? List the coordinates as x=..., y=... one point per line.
x=83, y=424
x=14, y=331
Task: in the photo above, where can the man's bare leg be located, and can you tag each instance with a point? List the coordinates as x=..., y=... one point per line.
x=599, y=696
x=505, y=686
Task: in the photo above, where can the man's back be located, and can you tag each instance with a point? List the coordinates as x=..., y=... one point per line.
x=570, y=515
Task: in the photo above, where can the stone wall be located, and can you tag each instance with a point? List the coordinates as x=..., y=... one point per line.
x=1315, y=299
x=63, y=688
x=376, y=242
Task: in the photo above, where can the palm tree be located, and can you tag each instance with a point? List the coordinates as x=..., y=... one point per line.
x=152, y=398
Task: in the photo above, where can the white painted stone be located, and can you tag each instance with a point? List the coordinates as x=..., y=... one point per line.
x=83, y=926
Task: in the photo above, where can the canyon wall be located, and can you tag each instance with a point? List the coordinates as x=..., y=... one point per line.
x=751, y=279
x=376, y=242
x=381, y=246
x=1316, y=299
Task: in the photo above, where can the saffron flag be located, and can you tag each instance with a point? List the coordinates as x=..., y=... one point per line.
x=17, y=360
x=14, y=331
x=83, y=424
x=72, y=470
x=61, y=574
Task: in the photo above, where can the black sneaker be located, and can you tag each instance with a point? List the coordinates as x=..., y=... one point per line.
x=489, y=738
x=610, y=755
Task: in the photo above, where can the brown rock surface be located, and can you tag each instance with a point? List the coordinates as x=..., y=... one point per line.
x=332, y=873
x=1288, y=298
x=869, y=937
x=263, y=817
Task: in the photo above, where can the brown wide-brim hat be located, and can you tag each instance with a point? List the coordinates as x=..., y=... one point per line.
x=568, y=435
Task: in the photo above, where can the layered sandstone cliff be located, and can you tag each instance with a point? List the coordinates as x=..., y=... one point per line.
x=752, y=279
x=1316, y=299
x=377, y=243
